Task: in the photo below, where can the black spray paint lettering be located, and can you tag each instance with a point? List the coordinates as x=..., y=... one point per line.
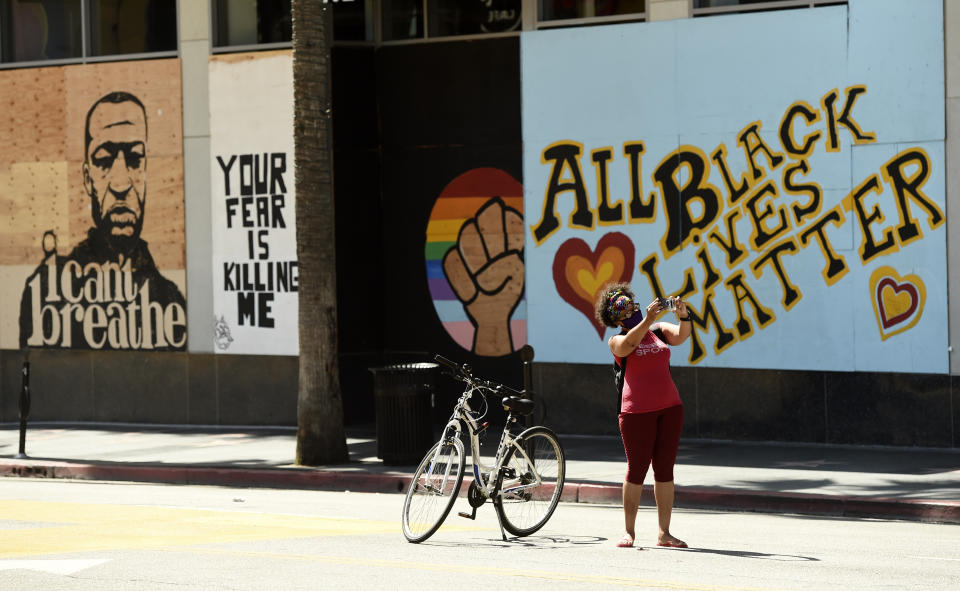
x=255, y=191
x=905, y=174
x=101, y=305
x=566, y=176
x=697, y=209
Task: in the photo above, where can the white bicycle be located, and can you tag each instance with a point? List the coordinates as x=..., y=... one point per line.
x=524, y=483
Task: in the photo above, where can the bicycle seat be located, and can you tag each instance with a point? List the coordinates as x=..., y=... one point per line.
x=516, y=405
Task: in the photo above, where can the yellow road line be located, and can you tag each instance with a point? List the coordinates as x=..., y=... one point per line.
x=57, y=528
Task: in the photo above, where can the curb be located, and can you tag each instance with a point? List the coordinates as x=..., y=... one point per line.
x=215, y=476
x=923, y=510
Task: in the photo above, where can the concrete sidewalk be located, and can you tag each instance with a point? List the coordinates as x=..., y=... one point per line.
x=884, y=482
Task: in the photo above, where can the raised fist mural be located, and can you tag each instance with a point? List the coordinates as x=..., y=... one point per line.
x=475, y=262
x=485, y=269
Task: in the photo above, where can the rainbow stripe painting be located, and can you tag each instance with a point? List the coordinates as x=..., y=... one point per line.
x=474, y=260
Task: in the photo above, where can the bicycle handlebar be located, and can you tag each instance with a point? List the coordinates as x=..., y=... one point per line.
x=446, y=362
x=462, y=372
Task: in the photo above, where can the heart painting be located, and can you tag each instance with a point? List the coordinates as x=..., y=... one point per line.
x=580, y=273
x=897, y=301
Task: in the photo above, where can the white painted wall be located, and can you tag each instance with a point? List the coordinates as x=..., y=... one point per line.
x=253, y=228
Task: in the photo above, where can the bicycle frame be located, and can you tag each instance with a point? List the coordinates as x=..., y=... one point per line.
x=485, y=476
x=511, y=480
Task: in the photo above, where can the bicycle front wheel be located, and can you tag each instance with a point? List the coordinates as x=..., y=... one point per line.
x=433, y=489
x=531, y=482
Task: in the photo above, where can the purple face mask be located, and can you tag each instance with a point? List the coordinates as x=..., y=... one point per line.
x=634, y=320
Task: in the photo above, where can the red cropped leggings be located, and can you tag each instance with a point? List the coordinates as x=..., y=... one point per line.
x=651, y=437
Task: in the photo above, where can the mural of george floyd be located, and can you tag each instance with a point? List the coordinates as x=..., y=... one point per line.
x=94, y=242
x=92, y=256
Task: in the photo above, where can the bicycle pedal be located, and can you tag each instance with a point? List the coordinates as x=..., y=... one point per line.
x=468, y=515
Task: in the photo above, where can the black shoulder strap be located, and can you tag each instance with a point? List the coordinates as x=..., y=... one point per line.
x=659, y=332
x=619, y=374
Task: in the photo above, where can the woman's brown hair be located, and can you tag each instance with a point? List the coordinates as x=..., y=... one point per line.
x=603, y=307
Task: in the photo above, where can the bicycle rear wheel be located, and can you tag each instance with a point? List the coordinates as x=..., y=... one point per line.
x=433, y=489
x=523, y=505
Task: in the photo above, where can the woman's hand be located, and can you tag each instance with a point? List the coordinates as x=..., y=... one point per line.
x=681, y=310
x=676, y=334
x=654, y=309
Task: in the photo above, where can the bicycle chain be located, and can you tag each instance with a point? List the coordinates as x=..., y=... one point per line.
x=475, y=496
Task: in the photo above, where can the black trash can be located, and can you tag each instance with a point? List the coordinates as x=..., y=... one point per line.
x=403, y=402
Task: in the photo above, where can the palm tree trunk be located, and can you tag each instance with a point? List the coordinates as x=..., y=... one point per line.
x=320, y=434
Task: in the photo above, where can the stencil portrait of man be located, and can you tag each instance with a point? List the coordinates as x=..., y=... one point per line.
x=107, y=293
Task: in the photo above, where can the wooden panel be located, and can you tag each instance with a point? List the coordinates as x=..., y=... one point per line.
x=157, y=84
x=42, y=151
x=42, y=143
x=32, y=162
x=34, y=116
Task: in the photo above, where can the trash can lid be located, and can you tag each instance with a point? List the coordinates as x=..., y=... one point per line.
x=407, y=366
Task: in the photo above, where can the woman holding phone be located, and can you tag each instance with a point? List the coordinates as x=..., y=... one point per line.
x=651, y=413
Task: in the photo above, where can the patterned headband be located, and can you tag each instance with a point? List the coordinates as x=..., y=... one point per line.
x=618, y=303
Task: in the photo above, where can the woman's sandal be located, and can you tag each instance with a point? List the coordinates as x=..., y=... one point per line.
x=625, y=542
x=672, y=544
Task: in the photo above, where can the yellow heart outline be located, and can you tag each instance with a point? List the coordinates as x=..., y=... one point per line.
x=887, y=272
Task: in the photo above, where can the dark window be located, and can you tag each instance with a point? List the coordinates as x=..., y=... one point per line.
x=350, y=20
x=34, y=30
x=132, y=26
x=551, y=10
x=252, y=22
x=402, y=19
x=751, y=4
x=472, y=17
x=719, y=3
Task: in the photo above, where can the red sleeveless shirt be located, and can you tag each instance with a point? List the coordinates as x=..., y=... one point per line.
x=648, y=385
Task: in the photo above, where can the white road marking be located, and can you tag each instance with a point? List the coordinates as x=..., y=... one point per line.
x=57, y=567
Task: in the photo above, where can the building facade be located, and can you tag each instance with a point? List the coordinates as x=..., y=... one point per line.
x=783, y=166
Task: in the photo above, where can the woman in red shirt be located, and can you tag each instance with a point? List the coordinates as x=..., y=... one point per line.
x=651, y=413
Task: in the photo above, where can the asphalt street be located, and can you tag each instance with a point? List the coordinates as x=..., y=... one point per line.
x=60, y=534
